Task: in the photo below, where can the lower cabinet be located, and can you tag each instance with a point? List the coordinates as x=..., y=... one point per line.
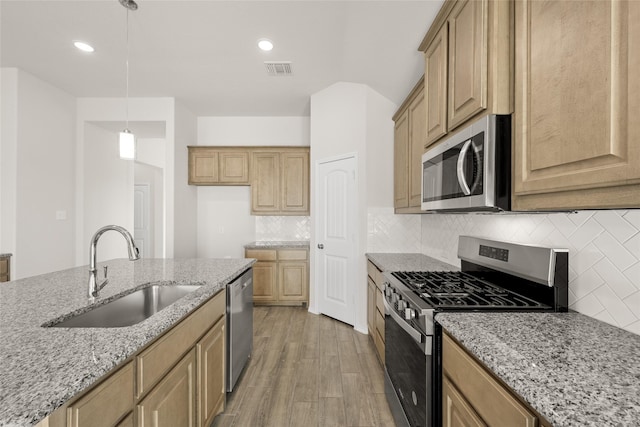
x=281, y=276
x=472, y=396
x=177, y=380
x=375, y=307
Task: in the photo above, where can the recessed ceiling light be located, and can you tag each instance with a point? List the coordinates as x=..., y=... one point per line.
x=83, y=46
x=265, y=45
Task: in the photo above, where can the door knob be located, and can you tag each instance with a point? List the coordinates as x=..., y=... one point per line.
x=320, y=246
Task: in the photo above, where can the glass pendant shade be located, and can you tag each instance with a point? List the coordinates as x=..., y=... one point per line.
x=127, y=145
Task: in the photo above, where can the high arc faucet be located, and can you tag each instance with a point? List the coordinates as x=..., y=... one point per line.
x=134, y=254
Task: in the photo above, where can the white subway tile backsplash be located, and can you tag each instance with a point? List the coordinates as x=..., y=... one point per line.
x=276, y=228
x=604, y=253
x=387, y=232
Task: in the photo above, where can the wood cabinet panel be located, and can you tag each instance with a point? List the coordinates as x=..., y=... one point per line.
x=435, y=87
x=417, y=117
x=292, y=255
x=264, y=281
x=576, y=133
x=371, y=306
x=5, y=276
x=292, y=281
x=203, y=166
x=295, y=182
x=400, y=162
x=173, y=401
x=211, y=368
x=234, y=167
x=456, y=411
x=468, y=57
x=265, y=185
x=157, y=359
x=105, y=404
x=261, y=254
x=127, y=422
x=490, y=399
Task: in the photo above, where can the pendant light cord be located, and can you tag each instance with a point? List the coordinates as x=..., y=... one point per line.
x=127, y=67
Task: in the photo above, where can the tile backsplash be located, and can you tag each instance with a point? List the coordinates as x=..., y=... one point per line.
x=387, y=232
x=282, y=228
x=604, y=253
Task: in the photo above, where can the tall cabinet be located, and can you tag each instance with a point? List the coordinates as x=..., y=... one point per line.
x=577, y=103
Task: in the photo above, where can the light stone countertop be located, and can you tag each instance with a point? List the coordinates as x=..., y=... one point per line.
x=408, y=262
x=573, y=369
x=42, y=368
x=278, y=244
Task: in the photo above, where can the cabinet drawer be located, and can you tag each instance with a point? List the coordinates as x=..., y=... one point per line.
x=156, y=360
x=292, y=255
x=372, y=271
x=105, y=404
x=490, y=399
x=261, y=254
x=380, y=301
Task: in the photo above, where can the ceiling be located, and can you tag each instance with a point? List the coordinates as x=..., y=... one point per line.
x=204, y=53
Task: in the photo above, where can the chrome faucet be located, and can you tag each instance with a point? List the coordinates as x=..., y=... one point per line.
x=134, y=254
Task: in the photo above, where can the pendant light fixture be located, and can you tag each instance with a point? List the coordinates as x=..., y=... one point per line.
x=127, y=139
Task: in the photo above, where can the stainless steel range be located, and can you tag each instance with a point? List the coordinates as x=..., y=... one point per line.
x=495, y=276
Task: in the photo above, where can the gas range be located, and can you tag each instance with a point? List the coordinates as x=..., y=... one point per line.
x=494, y=276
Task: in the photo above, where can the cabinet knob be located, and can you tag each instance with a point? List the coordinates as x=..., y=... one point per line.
x=320, y=246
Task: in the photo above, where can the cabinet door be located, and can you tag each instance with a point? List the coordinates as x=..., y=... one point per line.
x=4, y=270
x=292, y=281
x=211, y=367
x=468, y=53
x=456, y=411
x=576, y=127
x=435, y=87
x=400, y=162
x=234, y=167
x=417, y=117
x=264, y=281
x=265, y=188
x=106, y=403
x=203, y=166
x=371, y=306
x=173, y=401
x=295, y=182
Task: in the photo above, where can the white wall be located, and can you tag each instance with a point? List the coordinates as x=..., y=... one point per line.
x=39, y=180
x=152, y=176
x=185, y=201
x=352, y=118
x=225, y=224
x=108, y=192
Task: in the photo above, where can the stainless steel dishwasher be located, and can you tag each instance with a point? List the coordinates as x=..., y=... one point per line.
x=239, y=326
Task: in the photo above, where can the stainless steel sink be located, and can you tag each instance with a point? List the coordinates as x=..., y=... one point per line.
x=128, y=309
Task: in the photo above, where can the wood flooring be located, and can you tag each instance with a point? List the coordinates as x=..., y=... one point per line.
x=307, y=370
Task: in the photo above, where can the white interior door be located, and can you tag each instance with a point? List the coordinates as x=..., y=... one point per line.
x=141, y=219
x=336, y=264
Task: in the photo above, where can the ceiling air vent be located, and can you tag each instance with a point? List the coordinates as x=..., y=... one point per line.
x=280, y=68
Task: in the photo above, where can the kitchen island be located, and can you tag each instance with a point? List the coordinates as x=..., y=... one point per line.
x=572, y=369
x=42, y=368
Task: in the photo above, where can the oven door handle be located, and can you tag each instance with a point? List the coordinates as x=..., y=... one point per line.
x=417, y=336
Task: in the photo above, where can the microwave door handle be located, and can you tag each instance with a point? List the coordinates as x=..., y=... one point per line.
x=462, y=180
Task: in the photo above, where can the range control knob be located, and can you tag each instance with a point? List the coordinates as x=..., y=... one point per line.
x=402, y=305
x=409, y=313
x=395, y=297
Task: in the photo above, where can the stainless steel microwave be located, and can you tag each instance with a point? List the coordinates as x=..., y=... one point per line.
x=470, y=170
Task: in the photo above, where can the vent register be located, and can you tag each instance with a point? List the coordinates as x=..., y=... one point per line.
x=279, y=68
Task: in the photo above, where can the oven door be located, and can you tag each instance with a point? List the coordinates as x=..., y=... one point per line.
x=408, y=362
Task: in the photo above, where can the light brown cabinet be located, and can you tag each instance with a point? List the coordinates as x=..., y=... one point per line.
x=468, y=64
x=161, y=383
x=218, y=166
x=5, y=274
x=473, y=396
x=409, y=138
x=280, y=182
x=576, y=128
x=375, y=308
x=280, y=276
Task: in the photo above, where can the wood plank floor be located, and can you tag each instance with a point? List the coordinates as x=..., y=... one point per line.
x=307, y=370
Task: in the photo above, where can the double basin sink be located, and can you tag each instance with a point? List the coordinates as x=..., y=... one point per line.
x=128, y=309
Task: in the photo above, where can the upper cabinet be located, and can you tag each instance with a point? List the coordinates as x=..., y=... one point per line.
x=280, y=181
x=409, y=137
x=218, y=166
x=577, y=103
x=468, y=71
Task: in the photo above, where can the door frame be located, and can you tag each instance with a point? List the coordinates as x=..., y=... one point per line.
x=315, y=284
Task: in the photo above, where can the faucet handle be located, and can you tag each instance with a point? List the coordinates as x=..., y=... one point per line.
x=105, y=270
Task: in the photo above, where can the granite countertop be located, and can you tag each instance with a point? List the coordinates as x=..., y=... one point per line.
x=573, y=369
x=278, y=244
x=408, y=262
x=42, y=368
